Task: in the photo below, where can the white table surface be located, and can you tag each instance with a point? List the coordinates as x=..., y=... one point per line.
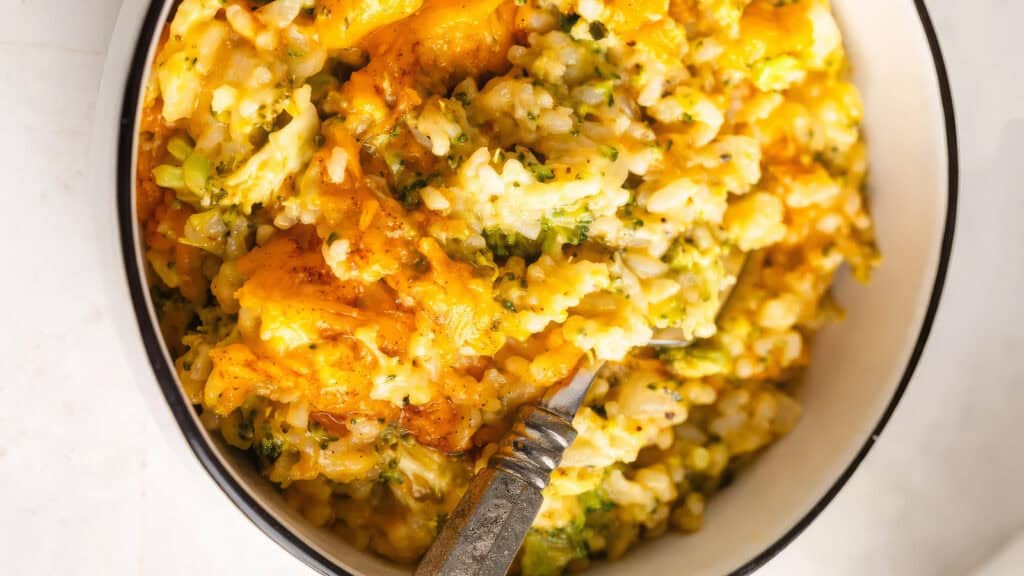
x=88, y=485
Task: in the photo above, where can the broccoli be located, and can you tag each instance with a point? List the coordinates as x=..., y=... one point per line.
x=704, y=270
x=323, y=82
x=320, y=434
x=389, y=438
x=391, y=475
x=594, y=501
x=568, y=21
x=560, y=228
x=565, y=227
x=704, y=359
x=685, y=256
x=409, y=193
x=216, y=325
x=541, y=172
x=597, y=509
x=269, y=447
x=548, y=552
x=245, y=428
x=526, y=156
x=503, y=245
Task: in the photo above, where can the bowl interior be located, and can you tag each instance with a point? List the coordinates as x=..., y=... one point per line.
x=859, y=367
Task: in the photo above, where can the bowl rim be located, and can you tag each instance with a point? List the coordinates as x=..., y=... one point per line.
x=266, y=521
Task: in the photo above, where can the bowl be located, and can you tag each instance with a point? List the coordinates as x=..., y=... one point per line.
x=861, y=369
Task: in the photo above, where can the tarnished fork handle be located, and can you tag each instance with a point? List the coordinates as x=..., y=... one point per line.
x=486, y=529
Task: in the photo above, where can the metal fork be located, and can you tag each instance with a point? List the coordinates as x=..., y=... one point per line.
x=487, y=528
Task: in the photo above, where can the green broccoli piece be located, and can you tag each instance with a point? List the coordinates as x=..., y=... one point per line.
x=269, y=447
x=704, y=271
x=568, y=21
x=594, y=501
x=541, y=172
x=320, y=434
x=215, y=325
x=245, y=426
x=391, y=474
x=548, y=552
x=704, y=359
x=504, y=245
x=409, y=193
x=323, y=82
x=685, y=256
x=597, y=508
x=564, y=226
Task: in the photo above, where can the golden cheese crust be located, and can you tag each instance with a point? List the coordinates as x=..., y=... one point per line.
x=375, y=229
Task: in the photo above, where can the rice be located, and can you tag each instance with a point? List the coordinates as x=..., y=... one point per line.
x=374, y=234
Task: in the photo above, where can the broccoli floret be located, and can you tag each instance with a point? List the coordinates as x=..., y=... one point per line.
x=594, y=501
x=269, y=447
x=562, y=227
x=568, y=21
x=320, y=434
x=245, y=424
x=323, y=82
x=703, y=270
x=217, y=326
x=565, y=227
x=598, y=511
x=391, y=475
x=548, y=552
x=541, y=172
x=409, y=193
x=503, y=245
x=704, y=359
x=480, y=257
x=685, y=256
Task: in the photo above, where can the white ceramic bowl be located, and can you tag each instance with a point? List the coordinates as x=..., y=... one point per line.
x=860, y=370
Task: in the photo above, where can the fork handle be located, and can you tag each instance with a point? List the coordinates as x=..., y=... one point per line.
x=487, y=528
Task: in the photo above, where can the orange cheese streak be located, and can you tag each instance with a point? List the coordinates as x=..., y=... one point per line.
x=452, y=39
x=288, y=279
x=768, y=30
x=631, y=15
x=343, y=23
x=299, y=316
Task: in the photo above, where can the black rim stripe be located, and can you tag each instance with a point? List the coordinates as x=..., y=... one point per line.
x=266, y=521
x=182, y=411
